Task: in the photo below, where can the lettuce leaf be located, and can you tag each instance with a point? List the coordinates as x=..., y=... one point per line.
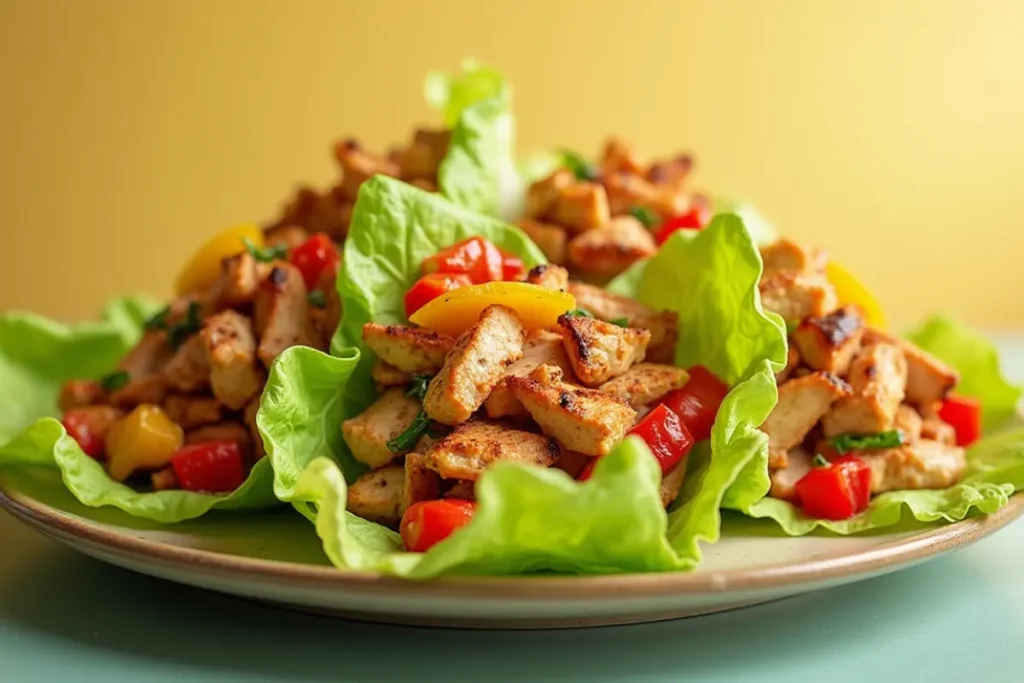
x=453, y=94
x=760, y=228
x=36, y=356
x=995, y=465
x=528, y=519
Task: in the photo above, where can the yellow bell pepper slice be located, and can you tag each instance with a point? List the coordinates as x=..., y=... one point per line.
x=850, y=290
x=458, y=310
x=144, y=440
x=203, y=268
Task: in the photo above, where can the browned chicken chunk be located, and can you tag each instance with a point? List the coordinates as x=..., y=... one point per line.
x=542, y=347
x=802, y=402
x=878, y=377
x=672, y=482
x=599, y=351
x=547, y=276
x=282, y=313
x=828, y=343
x=230, y=348
x=359, y=165
x=421, y=483
x=188, y=370
x=550, y=238
x=386, y=375
x=645, y=383
x=476, y=446
x=604, y=305
x=796, y=296
x=79, y=392
x=193, y=411
x=929, y=380
x=581, y=206
x=240, y=280
x=788, y=255
x=922, y=464
x=798, y=463
x=367, y=434
x=908, y=422
x=409, y=349
x=792, y=363
x=223, y=431
x=378, y=495
x=542, y=195
x=606, y=251
x=462, y=490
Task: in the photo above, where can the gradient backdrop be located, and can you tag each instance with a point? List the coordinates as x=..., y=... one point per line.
x=890, y=132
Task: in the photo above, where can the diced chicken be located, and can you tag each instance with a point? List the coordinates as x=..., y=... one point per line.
x=798, y=463
x=240, y=280
x=409, y=349
x=193, y=411
x=386, y=375
x=476, y=446
x=936, y=430
x=608, y=250
x=878, y=377
x=599, y=351
x=289, y=236
x=671, y=173
x=421, y=483
x=922, y=464
x=164, y=480
x=282, y=313
x=802, y=402
x=79, y=392
x=663, y=325
x=542, y=347
x=908, y=422
x=542, y=195
x=788, y=255
x=98, y=419
x=367, y=434
x=326, y=318
x=223, y=431
x=230, y=348
x=929, y=380
x=555, y=278
x=617, y=157
x=627, y=191
x=777, y=459
x=792, y=363
x=149, y=389
x=421, y=159
x=584, y=420
x=829, y=343
x=358, y=166
x=572, y=462
x=462, y=490
x=148, y=356
x=378, y=495
x=645, y=383
x=672, y=482
x=796, y=296
x=188, y=370
x=249, y=417
x=328, y=212
x=550, y=238
x=475, y=366
x=581, y=206
x=664, y=329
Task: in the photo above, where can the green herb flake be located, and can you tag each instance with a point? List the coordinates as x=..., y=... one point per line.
x=404, y=442
x=418, y=388
x=579, y=313
x=114, y=380
x=820, y=461
x=184, y=328
x=317, y=299
x=580, y=167
x=621, y=322
x=649, y=218
x=267, y=254
x=844, y=443
x=159, y=319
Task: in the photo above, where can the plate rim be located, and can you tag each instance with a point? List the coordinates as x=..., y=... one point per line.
x=820, y=570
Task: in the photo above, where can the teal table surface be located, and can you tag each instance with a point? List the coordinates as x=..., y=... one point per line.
x=959, y=617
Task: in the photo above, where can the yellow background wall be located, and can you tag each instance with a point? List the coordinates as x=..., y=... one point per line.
x=891, y=132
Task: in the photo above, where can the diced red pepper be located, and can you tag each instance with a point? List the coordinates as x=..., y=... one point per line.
x=694, y=219
x=209, y=467
x=475, y=257
x=587, y=471
x=431, y=286
x=698, y=401
x=664, y=433
x=78, y=428
x=512, y=266
x=427, y=523
x=836, y=491
x=313, y=256
x=964, y=415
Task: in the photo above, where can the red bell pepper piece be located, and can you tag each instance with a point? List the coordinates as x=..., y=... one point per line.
x=79, y=428
x=664, y=433
x=512, y=266
x=427, y=523
x=964, y=415
x=475, y=257
x=313, y=256
x=697, y=402
x=694, y=219
x=209, y=467
x=836, y=491
x=431, y=286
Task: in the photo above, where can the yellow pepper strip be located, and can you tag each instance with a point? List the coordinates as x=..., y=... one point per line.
x=458, y=310
x=851, y=291
x=203, y=268
x=145, y=439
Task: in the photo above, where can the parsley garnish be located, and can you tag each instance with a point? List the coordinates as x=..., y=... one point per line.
x=649, y=218
x=820, y=461
x=580, y=167
x=845, y=443
x=418, y=388
x=114, y=380
x=184, y=328
x=405, y=441
x=579, y=313
x=621, y=322
x=267, y=254
x=317, y=299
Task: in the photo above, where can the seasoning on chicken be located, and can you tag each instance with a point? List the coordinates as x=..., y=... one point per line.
x=645, y=383
x=188, y=370
x=599, y=351
x=412, y=350
x=909, y=423
x=551, y=239
x=922, y=464
x=829, y=342
x=671, y=483
x=606, y=251
x=79, y=392
x=476, y=446
x=798, y=463
x=792, y=363
x=378, y=495
x=282, y=313
x=581, y=206
x=386, y=375
x=877, y=377
x=230, y=348
x=785, y=254
x=795, y=295
x=367, y=434
x=548, y=276
x=542, y=348
x=929, y=380
x=802, y=402
x=604, y=305
x=421, y=483
x=193, y=411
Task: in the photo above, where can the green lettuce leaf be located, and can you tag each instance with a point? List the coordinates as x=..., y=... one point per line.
x=453, y=94
x=36, y=356
x=995, y=465
x=760, y=228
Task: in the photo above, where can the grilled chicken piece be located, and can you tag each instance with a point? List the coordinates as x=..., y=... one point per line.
x=878, y=377
x=828, y=343
x=671, y=482
x=462, y=490
x=603, y=305
x=922, y=464
x=664, y=329
x=542, y=195
x=193, y=411
x=608, y=250
x=788, y=255
x=282, y=313
x=326, y=318
x=421, y=159
x=599, y=351
x=386, y=375
x=542, y=347
x=329, y=212
x=581, y=206
x=550, y=238
x=777, y=460
x=223, y=431
x=289, y=236
x=796, y=296
x=802, y=402
x=584, y=420
x=409, y=349
x=79, y=392
x=555, y=278
x=240, y=279
x=671, y=173
x=367, y=435
x=792, y=363
x=908, y=422
x=645, y=383
x=935, y=429
x=98, y=419
x=798, y=463
x=421, y=483
x=929, y=380
x=152, y=388
x=188, y=370
x=148, y=356
x=476, y=446
x=617, y=157
x=378, y=495
x=230, y=349
x=358, y=166
x=475, y=366
x=627, y=191
x=164, y=480
x=249, y=417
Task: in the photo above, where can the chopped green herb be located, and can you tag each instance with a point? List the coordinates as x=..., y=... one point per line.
x=649, y=218
x=114, y=380
x=621, y=322
x=791, y=326
x=579, y=313
x=436, y=431
x=267, y=254
x=317, y=299
x=580, y=167
x=418, y=388
x=820, y=461
x=845, y=443
x=404, y=442
x=159, y=319
x=184, y=328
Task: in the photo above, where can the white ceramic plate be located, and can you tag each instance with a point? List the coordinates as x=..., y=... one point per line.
x=280, y=561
